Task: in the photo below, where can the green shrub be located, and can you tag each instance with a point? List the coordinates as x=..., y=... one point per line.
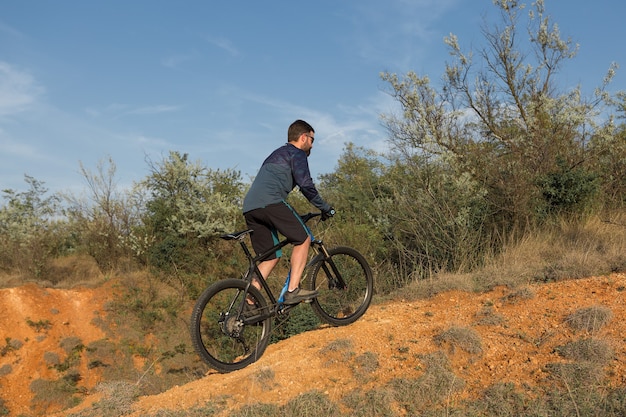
x=40, y=325
x=568, y=190
x=11, y=345
x=52, y=393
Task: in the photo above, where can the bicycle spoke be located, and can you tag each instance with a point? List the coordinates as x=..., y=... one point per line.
x=345, y=285
x=218, y=330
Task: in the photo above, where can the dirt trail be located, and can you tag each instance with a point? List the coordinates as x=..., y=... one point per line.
x=520, y=339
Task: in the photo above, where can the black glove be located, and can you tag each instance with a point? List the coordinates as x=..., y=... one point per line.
x=328, y=214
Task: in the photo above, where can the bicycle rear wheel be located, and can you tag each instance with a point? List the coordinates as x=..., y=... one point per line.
x=345, y=284
x=218, y=331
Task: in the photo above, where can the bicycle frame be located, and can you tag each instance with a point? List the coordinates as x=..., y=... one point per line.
x=229, y=334
x=316, y=244
x=254, y=269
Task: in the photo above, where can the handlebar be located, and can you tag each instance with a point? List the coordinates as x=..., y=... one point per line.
x=308, y=216
x=325, y=215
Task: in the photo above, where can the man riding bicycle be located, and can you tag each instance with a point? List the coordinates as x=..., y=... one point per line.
x=267, y=213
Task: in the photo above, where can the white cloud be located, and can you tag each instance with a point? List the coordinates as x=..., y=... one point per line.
x=10, y=31
x=117, y=110
x=409, y=36
x=176, y=60
x=224, y=44
x=151, y=142
x=161, y=108
x=18, y=89
x=16, y=149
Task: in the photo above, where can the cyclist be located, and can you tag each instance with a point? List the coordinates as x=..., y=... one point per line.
x=266, y=211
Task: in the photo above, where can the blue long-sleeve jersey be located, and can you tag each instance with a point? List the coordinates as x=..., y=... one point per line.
x=285, y=168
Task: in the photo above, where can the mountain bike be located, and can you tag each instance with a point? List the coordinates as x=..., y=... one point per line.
x=231, y=322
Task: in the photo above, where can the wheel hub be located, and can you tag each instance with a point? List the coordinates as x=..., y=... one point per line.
x=231, y=326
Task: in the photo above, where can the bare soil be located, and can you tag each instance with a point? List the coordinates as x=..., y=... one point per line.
x=518, y=331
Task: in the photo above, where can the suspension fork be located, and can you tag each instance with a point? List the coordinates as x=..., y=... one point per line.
x=335, y=280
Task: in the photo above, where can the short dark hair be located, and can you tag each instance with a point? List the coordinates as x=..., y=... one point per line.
x=297, y=128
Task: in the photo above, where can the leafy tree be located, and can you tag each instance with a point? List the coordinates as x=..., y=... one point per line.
x=105, y=220
x=357, y=190
x=609, y=145
x=188, y=206
x=568, y=190
x=27, y=213
x=28, y=222
x=497, y=130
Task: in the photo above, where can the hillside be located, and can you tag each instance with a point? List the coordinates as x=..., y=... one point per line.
x=519, y=332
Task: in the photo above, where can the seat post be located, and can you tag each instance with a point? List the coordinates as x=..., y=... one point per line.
x=245, y=249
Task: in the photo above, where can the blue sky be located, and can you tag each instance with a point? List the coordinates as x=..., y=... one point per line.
x=82, y=80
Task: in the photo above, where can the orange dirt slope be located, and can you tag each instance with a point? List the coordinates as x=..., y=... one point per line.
x=515, y=349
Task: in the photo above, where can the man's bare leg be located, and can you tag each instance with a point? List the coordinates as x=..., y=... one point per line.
x=265, y=268
x=299, y=255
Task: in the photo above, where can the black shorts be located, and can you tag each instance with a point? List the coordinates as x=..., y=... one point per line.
x=267, y=222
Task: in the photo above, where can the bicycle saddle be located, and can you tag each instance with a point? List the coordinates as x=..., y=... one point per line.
x=236, y=235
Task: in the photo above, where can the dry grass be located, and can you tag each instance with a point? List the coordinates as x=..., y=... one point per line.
x=376, y=402
x=519, y=295
x=257, y=410
x=487, y=316
x=364, y=365
x=566, y=250
x=50, y=394
x=265, y=378
x=591, y=350
x=337, y=351
x=117, y=400
x=589, y=319
x=561, y=251
x=460, y=337
x=70, y=271
x=435, y=386
x=310, y=404
x=5, y=370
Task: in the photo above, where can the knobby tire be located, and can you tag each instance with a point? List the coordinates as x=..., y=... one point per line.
x=334, y=304
x=218, y=333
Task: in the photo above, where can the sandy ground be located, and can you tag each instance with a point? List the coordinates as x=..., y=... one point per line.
x=515, y=348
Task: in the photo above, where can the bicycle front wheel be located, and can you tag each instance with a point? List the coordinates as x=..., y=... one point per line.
x=218, y=330
x=345, y=284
